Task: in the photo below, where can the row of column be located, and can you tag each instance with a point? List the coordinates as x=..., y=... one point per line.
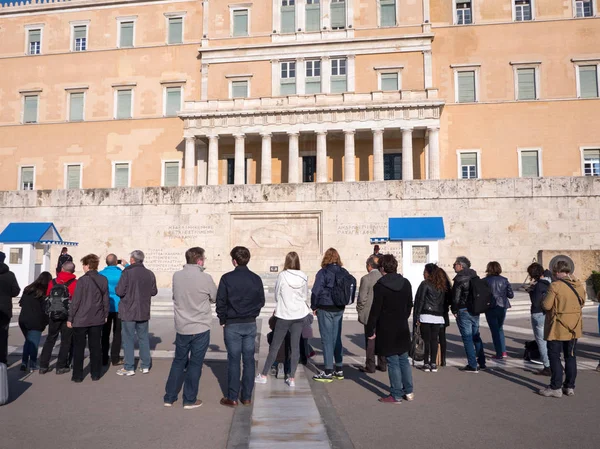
x=294, y=157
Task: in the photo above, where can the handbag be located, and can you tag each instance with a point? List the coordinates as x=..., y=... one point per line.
x=417, y=347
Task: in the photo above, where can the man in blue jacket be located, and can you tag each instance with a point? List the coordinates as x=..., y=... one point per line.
x=112, y=273
x=240, y=297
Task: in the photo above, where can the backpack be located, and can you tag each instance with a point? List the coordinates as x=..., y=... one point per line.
x=532, y=351
x=417, y=346
x=57, y=302
x=344, y=288
x=480, y=296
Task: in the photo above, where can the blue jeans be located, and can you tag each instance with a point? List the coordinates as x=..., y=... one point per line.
x=537, y=323
x=400, y=374
x=239, y=341
x=468, y=325
x=30, y=347
x=330, y=328
x=495, y=317
x=128, y=330
x=195, y=346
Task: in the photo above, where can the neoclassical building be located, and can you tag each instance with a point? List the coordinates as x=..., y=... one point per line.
x=134, y=93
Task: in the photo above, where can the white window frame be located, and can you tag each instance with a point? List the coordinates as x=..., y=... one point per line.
x=526, y=65
x=467, y=68
x=583, y=62
x=127, y=19
x=594, y=10
x=20, y=175
x=166, y=86
x=232, y=78
x=116, y=89
x=75, y=90
x=65, y=174
x=539, y=156
x=459, y=166
x=114, y=173
x=389, y=69
x=581, y=151
x=455, y=14
x=33, y=93
x=241, y=7
x=514, y=11
x=396, y=21
x=31, y=27
x=163, y=163
x=175, y=15
x=87, y=34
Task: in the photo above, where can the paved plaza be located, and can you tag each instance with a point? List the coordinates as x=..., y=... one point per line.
x=497, y=408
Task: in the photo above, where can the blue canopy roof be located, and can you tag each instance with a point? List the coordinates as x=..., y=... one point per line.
x=22, y=233
x=416, y=228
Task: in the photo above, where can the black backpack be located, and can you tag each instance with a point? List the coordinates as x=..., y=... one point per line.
x=480, y=296
x=344, y=288
x=57, y=302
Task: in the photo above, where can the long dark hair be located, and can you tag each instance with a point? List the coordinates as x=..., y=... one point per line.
x=437, y=277
x=39, y=287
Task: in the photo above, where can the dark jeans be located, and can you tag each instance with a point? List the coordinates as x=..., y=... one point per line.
x=495, y=317
x=468, y=325
x=239, y=341
x=4, y=326
x=30, y=347
x=65, y=353
x=443, y=344
x=400, y=374
x=279, y=335
x=568, y=349
x=330, y=328
x=370, y=364
x=94, y=341
x=430, y=333
x=195, y=347
x=112, y=323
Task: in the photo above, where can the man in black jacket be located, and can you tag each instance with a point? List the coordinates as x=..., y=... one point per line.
x=240, y=297
x=468, y=324
x=9, y=288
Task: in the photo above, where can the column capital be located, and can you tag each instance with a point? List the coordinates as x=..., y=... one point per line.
x=325, y=58
x=350, y=131
x=274, y=61
x=190, y=138
x=433, y=128
x=293, y=133
x=212, y=136
x=351, y=56
x=266, y=134
x=377, y=130
x=321, y=132
x=300, y=59
x=239, y=135
x=407, y=129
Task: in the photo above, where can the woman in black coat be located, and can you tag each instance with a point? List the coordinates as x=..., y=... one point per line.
x=33, y=319
x=388, y=324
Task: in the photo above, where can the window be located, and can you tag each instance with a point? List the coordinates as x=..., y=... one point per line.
x=288, y=16
x=313, y=15
x=175, y=30
x=124, y=103
x=73, y=176
x=338, y=14
x=591, y=162
x=466, y=86
x=121, y=174
x=288, y=78
x=30, y=108
x=172, y=101
x=313, y=77
x=523, y=10
x=584, y=8
x=76, y=106
x=588, y=81
x=392, y=166
x=339, y=82
x=80, y=33
x=529, y=163
x=309, y=168
x=389, y=81
x=171, y=172
x=526, y=84
x=240, y=22
x=387, y=13
x=464, y=12
x=126, y=32
x=468, y=165
x=231, y=170
x=239, y=89
x=26, y=178
x=34, y=41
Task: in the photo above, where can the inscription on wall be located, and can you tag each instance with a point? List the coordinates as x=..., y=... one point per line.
x=372, y=229
x=189, y=231
x=164, y=260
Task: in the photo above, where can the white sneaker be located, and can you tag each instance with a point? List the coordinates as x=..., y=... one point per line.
x=260, y=379
x=409, y=397
x=144, y=370
x=124, y=372
x=290, y=381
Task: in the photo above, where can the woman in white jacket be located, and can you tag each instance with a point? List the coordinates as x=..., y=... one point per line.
x=291, y=294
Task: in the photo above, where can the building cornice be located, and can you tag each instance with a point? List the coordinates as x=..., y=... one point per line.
x=27, y=7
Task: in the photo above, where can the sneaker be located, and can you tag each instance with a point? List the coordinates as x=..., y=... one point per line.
x=124, y=372
x=196, y=404
x=469, y=369
x=290, y=381
x=273, y=371
x=550, y=393
x=44, y=370
x=23, y=367
x=409, y=397
x=390, y=400
x=433, y=368
x=498, y=358
x=426, y=368
x=339, y=375
x=482, y=367
x=280, y=371
x=168, y=404
x=60, y=371
x=505, y=355
x=313, y=353
x=544, y=372
x=323, y=377
x=568, y=391
x=144, y=370
x=260, y=379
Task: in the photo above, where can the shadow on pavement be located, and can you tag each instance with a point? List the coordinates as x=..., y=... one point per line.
x=17, y=380
x=219, y=369
x=517, y=379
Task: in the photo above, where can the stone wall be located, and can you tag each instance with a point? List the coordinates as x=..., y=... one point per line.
x=508, y=220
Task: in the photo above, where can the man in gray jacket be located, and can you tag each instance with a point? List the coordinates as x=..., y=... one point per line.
x=363, y=307
x=193, y=293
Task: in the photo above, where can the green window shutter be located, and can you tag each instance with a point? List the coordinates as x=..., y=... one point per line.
x=313, y=17
x=79, y=31
x=34, y=36
x=175, y=30
x=288, y=19
x=526, y=83
x=171, y=174
x=239, y=89
x=123, y=104
x=389, y=81
x=121, y=175
x=466, y=87
x=27, y=178
x=468, y=159
x=588, y=81
x=126, y=35
x=338, y=15
x=591, y=154
x=338, y=84
x=31, y=109
x=388, y=13
x=73, y=176
x=76, y=107
x=313, y=85
x=288, y=86
x=240, y=22
x=529, y=164
x=173, y=101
